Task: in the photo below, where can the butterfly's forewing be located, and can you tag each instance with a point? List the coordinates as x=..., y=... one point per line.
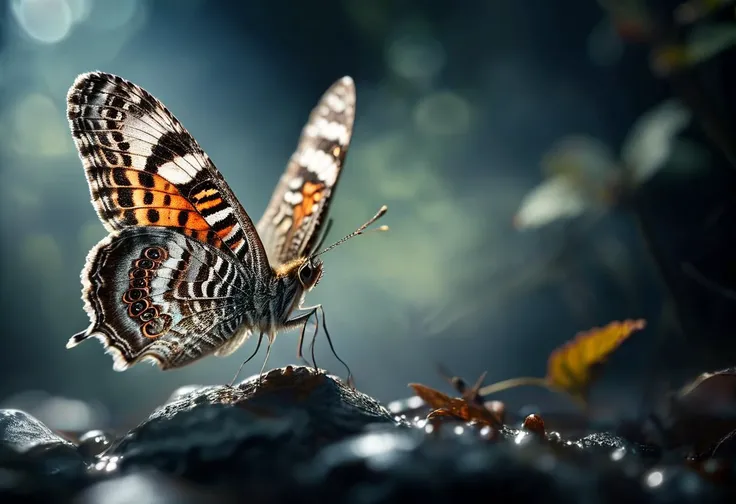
x=145, y=169
x=291, y=224
x=156, y=293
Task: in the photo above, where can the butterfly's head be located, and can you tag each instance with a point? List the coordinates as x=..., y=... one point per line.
x=304, y=272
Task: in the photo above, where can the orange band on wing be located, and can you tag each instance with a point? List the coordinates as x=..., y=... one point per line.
x=147, y=199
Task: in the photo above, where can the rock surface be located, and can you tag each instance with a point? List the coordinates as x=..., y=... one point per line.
x=302, y=435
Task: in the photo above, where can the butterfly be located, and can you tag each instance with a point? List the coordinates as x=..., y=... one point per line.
x=184, y=272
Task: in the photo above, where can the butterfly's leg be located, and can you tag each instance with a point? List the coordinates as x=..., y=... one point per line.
x=350, y=381
x=265, y=361
x=311, y=343
x=301, y=322
x=300, y=344
x=260, y=339
x=302, y=319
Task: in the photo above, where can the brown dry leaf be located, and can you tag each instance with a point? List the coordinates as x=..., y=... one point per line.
x=571, y=367
x=457, y=407
x=433, y=397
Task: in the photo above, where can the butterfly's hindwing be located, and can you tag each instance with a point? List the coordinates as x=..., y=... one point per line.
x=291, y=224
x=145, y=169
x=156, y=293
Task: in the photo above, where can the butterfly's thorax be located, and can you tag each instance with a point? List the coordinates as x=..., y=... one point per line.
x=288, y=296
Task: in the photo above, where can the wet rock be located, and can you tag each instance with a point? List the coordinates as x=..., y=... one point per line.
x=187, y=390
x=208, y=432
x=21, y=431
x=607, y=443
x=403, y=467
x=213, y=442
x=334, y=409
x=35, y=463
x=62, y=414
x=44, y=451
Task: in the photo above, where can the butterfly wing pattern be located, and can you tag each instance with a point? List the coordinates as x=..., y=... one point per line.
x=145, y=169
x=146, y=172
x=159, y=294
x=290, y=227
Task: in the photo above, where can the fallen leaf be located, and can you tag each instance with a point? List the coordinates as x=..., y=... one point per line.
x=460, y=408
x=572, y=366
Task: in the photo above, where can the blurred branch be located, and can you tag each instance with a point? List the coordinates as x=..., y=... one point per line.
x=709, y=284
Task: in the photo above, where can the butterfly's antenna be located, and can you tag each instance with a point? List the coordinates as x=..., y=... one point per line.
x=350, y=381
x=258, y=346
x=322, y=239
x=381, y=212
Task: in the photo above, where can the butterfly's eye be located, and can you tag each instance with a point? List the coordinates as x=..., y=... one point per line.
x=306, y=273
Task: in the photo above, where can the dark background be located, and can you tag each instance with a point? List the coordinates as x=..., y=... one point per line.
x=457, y=104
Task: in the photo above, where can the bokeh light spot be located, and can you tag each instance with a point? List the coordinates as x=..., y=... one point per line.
x=416, y=57
x=443, y=113
x=46, y=21
x=39, y=128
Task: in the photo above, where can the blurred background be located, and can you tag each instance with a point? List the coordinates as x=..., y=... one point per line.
x=537, y=186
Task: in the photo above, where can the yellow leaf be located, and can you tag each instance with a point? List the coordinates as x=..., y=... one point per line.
x=571, y=366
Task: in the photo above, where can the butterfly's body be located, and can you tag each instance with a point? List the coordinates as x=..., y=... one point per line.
x=184, y=272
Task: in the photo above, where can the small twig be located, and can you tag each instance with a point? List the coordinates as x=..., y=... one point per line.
x=530, y=381
x=709, y=284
